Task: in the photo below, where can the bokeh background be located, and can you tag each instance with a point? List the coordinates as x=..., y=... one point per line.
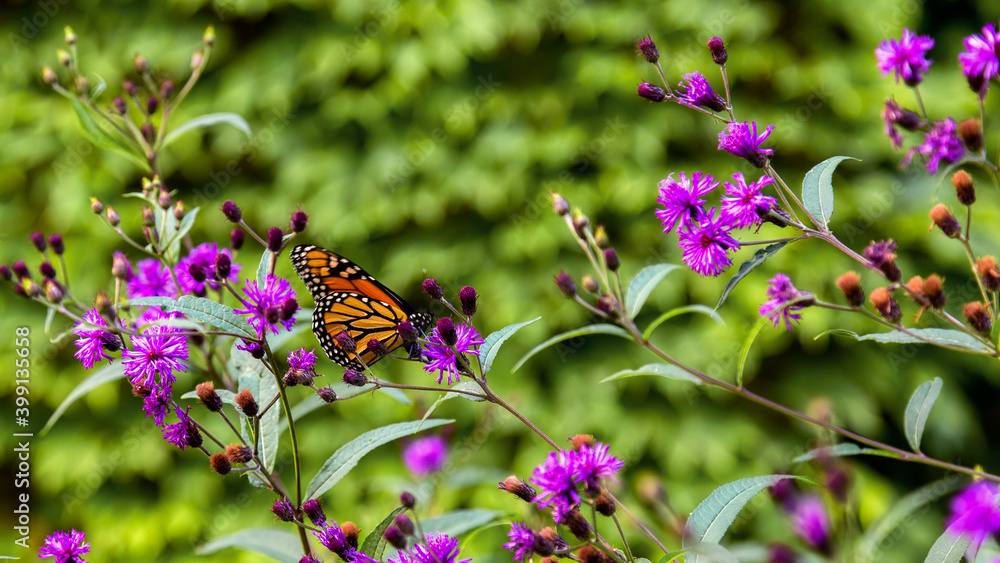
x=424, y=137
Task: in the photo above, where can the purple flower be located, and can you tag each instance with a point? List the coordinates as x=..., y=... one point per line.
x=202, y=259
x=681, y=201
x=152, y=280
x=880, y=252
x=975, y=511
x=65, y=547
x=92, y=342
x=706, y=245
x=595, y=464
x=894, y=115
x=905, y=57
x=266, y=305
x=302, y=361
x=780, y=293
x=158, y=351
x=522, y=541
x=746, y=204
x=741, y=139
x=157, y=403
x=980, y=60
x=811, y=522
x=426, y=455
x=940, y=143
x=332, y=538
x=557, y=478
x=698, y=92
x=183, y=432
x=439, y=548
x=445, y=359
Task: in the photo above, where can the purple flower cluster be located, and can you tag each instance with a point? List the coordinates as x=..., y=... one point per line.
x=196, y=271
x=979, y=62
x=704, y=236
x=159, y=351
x=941, y=143
x=437, y=548
x=152, y=279
x=975, y=511
x=94, y=342
x=522, y=541
x=65, y=547
x=270, y=306
x=780, y=294
x=425, y=455
x=444, y=359
x=906, y=57
x=562, y=471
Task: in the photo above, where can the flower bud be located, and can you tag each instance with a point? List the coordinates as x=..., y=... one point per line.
x=467, y=296
x=964, y=189
x=53, y=291
x=933, y=290
x=239, y=453
x=56, y=242
x=986, y=268
x=978, y=84
x=112, y=215
x=164, y=200
x=565, y=284
x=601, y=237
x=850, y=284
x=394, y=537
x=945, y=221
x=651, y=92
x=590, y=284
x=82, y=85
x=223, y=266
x=220, y=463
x=179, y=210
x=148, y=132
x=580, y=225
x=345, y=342
x=64, y=57
x=590, y=554
x=972, y=134
x=246, y=402
x=119, y=105
x=208, y=396
x=978, y=316
x=718, y=49
x=151, y=236
x=604, y=505
x=577, y=524
x=140, y=63
x=781, y=553
x=5, y=273
x=404, y=524
x=647, y=48
x=103, y=305
x=209, y=37
x=21, y=270
x=283, y=510
x=274, y=236
x=377, y=347
x=581, y=440
x=95, y=205
x=299, y=221
x=351, y=533
x=559, y=204
x=167, y=89
x=196, y=59
x=38, y=241
x=30, y=288
x=407, y=499
x=151, y=105
x=883, y=302
x=120, y=267
x=406, y=331
x=129, y=87
x=611, y=259
x=518, y=488
x=69, y=35
x=232, y=211
x=236, y=239
x=433, y=289
x=326, y=394
x=355, y=378
x=49, y=75
x=446, y=331
x=288, y=308
x=47, y=270
x=314, y=511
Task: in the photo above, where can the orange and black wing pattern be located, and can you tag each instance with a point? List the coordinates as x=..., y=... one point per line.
x=350, y=300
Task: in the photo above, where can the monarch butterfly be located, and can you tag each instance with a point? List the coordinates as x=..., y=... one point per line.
x=349, y=299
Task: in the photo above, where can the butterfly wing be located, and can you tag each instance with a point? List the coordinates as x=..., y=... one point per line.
x=350, y=300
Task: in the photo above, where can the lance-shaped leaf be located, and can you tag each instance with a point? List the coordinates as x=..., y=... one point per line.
x=643, y=284
x=817, y=189
x=918, y=409
x=493, y=342
x=745, y=268
x=590, y=329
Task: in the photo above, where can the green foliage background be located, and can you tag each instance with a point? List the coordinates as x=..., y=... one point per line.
x=424, y=136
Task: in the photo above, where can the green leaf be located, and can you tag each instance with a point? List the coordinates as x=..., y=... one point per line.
x=712, y=518
x=205, y=310
x=374, y=543
x=662, y=370
x=493, y=342
x=459, y=521
x=868, y=544
x=348, y=456
x=208, y=120
x=747, y=344
x=102, y=138
x=643, y=284
x=918, y=409
x=449, y=393
x=103, y=375
x=277, y=544
x=590, y=329
x=672, y=556
x=697, y=308
x=263, y=267
x=949, y=547
x=946, y=338
x=817, y=189
x=745, y=268
x=842, y=449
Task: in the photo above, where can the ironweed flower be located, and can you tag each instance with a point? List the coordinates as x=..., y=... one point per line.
x=183, y=432
x=718, y=49
x=647, y=49
x=437, y=548
x=651, y=92
x=740, y=138
x=940, y=143
x=681, y=199
x=906, y=57
x=424, y=456
x=811, y=522
x=706, y=245
x=445, y=359
x=850, y=284
x=893, y=114
x=156, y=404
x=152, y=279
x=522, y=541
x=886, y=305
x=695, y=90
x=302, y=361
x=202, y=258
x=157, y=351
x=556, y=479
x=782, y=292
x=975, y=511
x=92, y=342
x=65, y=547
x=882, y=255
x=332, y=538
x=595, y=464
x=263, y=304
x=980, y=61
x=746, y=204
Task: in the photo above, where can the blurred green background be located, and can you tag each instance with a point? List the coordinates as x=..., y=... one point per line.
x=425, y=137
